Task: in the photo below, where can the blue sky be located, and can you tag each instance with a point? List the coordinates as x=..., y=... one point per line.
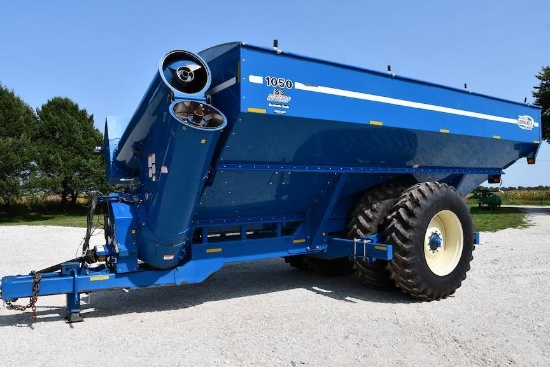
x=103, y=54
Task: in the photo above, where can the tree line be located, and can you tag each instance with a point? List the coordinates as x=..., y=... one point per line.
x=47, y=151
x=511, y=188
x=542, y=98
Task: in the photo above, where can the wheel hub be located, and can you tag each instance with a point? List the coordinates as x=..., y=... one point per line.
x=435, y=241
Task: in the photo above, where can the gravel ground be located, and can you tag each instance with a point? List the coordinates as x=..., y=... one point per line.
x=268, y=314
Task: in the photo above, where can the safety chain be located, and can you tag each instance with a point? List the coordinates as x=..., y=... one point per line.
x=32, y=301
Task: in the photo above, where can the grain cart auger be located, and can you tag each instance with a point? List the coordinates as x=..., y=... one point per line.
x=243, y=153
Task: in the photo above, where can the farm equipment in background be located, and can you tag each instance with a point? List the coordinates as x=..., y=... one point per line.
x=242, y=153
x=486, y=198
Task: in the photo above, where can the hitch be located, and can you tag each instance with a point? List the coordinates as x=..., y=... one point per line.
x=73, y=298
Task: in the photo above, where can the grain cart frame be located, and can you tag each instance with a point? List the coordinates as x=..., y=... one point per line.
x=241, y=153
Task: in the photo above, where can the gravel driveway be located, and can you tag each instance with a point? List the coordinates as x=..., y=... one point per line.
x=268, y=314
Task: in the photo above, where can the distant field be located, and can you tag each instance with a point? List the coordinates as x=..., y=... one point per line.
x=525, y=197
x=486, y=220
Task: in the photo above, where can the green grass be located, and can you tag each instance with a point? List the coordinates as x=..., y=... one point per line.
x=50, y=215
x=486, y=220
x=494, y=220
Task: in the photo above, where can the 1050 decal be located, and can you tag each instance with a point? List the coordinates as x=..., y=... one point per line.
x=272, y=81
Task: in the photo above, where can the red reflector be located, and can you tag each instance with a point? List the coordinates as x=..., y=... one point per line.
x=494, y=179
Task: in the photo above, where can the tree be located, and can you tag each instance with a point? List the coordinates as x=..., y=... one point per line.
x=66, y=137
x=18, y=124
x=542, y=98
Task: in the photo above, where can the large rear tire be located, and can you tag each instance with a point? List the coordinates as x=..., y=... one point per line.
x=367, y=219
x=431, y=230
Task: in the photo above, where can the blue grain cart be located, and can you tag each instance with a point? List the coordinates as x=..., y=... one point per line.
x=242, y=153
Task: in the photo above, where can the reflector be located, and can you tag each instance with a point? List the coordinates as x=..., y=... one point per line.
x=494, y=179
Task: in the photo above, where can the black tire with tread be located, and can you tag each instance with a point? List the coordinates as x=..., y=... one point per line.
x=367, y=219
x=406, y=230
x=297, y=262
x=334, y=267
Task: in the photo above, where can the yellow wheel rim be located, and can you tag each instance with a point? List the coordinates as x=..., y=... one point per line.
x=443, y=243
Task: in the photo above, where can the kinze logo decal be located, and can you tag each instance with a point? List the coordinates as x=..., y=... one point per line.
x=526, y=122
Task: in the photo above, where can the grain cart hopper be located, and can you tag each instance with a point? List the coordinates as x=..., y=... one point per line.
x=242, y=153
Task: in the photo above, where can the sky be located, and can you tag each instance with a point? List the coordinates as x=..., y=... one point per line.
x=103, y=54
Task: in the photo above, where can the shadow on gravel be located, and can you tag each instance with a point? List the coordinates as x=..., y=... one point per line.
x=232, y=281
x=536, y=210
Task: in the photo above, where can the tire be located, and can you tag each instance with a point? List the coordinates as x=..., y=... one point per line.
x=367, y=219
x=431, y=230
x=333, y=267
x=297, y=262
